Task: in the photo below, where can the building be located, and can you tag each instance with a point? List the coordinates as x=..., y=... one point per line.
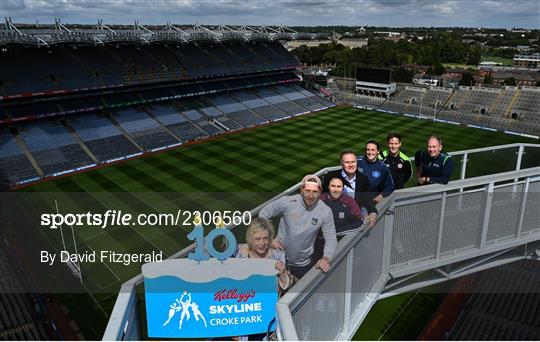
x=527, y=61
x=374, y=82
x=429, y=80
x=293, y=44
x=522, y=77
x=353, y=42
x=523, y=48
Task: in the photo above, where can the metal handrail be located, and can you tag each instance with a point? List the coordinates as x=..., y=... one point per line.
x=303, y=290
x=466, y=183
x=304, y=287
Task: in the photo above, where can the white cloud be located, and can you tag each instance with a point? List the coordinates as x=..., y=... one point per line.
x=490, y=13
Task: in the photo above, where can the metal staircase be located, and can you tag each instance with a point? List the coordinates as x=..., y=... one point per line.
x=423, y=236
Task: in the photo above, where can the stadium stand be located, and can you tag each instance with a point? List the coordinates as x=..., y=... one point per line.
x=215, y=115
x=249, y=100
x=33, y=108
x=260, y=106
x=78, y=104
x=146, y=132
x=189, y=108
x=527, y=104
x=177, y=123
x=25, y=109
x=271, y=112
x=17, y=317
x=279, y=101
x=119, y=101
x=103, y=139
x=363, y=100
x=14, y=165
x=505, y=305
x=317, y=98
x=53, y=147
x=293, y=94
x=507, y=109
x=238, y=111
x=85, y=67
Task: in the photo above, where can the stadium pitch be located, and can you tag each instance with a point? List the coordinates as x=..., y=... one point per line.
x=231, y=172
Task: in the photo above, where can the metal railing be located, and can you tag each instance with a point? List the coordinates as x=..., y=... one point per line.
x=421, y=229
x=332, y=305
x=321, y=304
x=59, y=33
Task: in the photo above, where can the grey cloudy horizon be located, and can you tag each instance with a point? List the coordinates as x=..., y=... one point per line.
x=390, y=13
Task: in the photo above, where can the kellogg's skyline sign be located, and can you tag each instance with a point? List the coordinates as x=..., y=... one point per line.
x=190, y=299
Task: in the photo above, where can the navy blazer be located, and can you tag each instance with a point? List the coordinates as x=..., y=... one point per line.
x=362, y=195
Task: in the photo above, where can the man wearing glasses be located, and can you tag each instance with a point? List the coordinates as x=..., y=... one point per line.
x=355, y=185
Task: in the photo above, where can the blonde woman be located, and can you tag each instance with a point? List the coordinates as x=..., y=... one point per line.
x=259, y=235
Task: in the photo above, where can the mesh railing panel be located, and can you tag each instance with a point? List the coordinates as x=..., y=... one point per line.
x=321, y=317
x=504, y=212
x=415, y=231
x=462, y=215
x=531, y=215
x=491, y=162
x=530, y=157
x=367, y=263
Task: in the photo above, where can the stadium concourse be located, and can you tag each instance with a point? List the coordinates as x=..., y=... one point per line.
x=69, y=108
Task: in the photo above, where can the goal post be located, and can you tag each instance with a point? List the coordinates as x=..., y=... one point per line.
x=75, y=267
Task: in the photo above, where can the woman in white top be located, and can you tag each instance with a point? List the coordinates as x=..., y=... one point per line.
x=259, y=235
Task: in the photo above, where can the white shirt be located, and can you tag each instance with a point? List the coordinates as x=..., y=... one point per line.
x=349, y=191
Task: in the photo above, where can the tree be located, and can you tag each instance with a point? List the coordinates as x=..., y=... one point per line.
x=467, y=79
x=402, y=74
x=488, y=79
x=475, y=55
x=438, y=69
x=510, y=81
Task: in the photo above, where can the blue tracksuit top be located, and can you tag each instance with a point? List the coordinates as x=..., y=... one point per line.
x=438, y=169
x=380, y=179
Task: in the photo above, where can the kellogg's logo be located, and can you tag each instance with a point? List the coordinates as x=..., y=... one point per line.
x=233, y=294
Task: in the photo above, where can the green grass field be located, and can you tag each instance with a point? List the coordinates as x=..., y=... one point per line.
x=236, y=172
x=401, y=317
x=460, y=66
x=503, y=61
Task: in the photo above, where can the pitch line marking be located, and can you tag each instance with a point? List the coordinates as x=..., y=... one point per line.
x=85, y=287
x=103, y=204
x=117, y=278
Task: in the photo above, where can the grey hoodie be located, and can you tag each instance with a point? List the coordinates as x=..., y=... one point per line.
x=299, y=226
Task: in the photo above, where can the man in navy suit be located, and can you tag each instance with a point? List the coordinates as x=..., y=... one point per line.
x=355, y=184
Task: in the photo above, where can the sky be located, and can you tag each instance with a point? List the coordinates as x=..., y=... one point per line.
x=392, y=13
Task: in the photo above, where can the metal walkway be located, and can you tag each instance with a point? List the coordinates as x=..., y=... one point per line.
x=423, y=236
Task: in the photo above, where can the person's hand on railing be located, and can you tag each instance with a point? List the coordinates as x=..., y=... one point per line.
x=372, y=219
x=280, y=266
x=277, y=244
x=323, y=264
x=378, y=198
x=423, y=180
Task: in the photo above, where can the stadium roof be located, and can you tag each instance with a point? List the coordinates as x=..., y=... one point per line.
x=58, y=33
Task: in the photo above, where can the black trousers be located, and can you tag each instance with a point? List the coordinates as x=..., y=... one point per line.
x=300, y=271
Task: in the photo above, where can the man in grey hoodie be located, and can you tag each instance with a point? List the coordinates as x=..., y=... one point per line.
x=301, y=218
